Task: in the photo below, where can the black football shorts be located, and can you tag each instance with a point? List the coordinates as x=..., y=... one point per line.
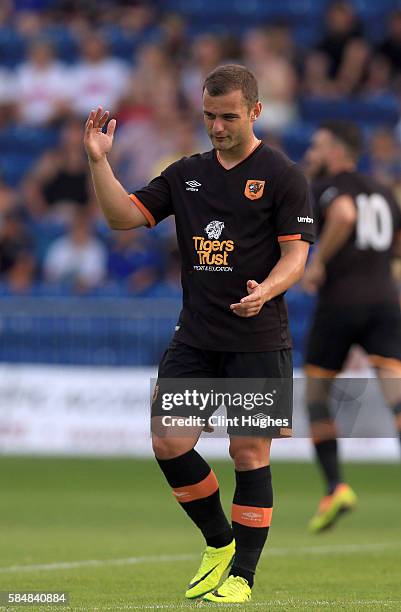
x=206, y=369
x=375, y=327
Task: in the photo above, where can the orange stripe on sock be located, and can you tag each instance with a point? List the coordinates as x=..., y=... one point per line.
x=323, y=430
x=386, y=363
x=317, y=372
x=204, y=488
x=250, y=516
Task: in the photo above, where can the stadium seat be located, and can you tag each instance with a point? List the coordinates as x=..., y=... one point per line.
x=12, y=47
x=13, y=166
x=34, y=140
x=378, y=110
x=296, y=139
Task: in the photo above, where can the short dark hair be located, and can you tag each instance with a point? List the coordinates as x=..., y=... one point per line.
x=232, y=77
x=347, y=132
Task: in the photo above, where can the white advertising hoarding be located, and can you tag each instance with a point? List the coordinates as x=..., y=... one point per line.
x=97, y=411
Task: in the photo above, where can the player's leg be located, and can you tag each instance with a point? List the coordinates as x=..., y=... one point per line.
x=330, y=339
x=193, y=482
x=383, y=344
x=322, y=426
x=339, y=497
x=251, y=515
x=253, y=496
x=389, y=375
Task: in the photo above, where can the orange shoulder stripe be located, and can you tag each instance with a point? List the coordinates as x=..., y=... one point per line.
x=149, y=217
x=289, y=237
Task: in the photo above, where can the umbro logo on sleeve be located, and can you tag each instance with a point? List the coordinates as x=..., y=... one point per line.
x=305, y=220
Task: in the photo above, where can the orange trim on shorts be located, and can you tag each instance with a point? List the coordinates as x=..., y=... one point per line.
x=286, y=432
x=323, y=430
x=204, y=488
x=289, y=237
x=250, y=516
x=317, y=372
x=386, y=362
x=148, y=215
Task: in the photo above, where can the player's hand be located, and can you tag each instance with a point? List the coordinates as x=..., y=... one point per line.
x=97, y=143
x=250, y=305
x=314, y=277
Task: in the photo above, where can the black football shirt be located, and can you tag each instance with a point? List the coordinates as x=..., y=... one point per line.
x=360, y=272
x=229, y=224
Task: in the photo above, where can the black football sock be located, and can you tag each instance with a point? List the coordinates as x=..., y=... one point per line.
x=327, y=455
x=196, y=489
x=251, y=517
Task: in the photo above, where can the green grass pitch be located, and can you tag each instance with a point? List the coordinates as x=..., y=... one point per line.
x=109, y=532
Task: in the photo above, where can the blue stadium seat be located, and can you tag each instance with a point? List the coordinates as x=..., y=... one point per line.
x=14, y=166
x=64, y=43
x=296, y=139
x=29, y=139
x=378, y=110
x=373, y=8
x=12, y=47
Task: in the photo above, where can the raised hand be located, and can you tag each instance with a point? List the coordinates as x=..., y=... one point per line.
x=97, y=143
x=250, y=305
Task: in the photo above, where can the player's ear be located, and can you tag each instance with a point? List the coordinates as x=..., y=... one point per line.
x=256, y=110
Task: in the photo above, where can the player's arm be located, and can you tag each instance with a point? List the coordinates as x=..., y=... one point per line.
x=117, y=206
x=340, y=220
x=397, y=246
x=287, y=271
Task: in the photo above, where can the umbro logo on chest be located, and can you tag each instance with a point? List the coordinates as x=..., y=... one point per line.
x=193, y=185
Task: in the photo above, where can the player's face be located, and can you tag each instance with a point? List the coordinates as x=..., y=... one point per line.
x=228, y=120
x=319, y=154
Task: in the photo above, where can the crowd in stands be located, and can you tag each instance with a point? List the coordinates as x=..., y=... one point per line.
x=146, y=63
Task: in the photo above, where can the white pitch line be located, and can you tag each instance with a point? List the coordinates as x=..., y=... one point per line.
x=287, y=603
x=275, y=552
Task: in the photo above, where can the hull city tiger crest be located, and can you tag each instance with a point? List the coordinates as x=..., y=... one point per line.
x=254, y=189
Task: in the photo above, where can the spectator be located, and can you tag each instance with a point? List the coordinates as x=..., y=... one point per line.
x=385, y=157
x=185, y=142
x=8, y=98
x=174, y=38
x=276, y=77
x=139, y=143
x=153, y=76
x=15, y=241
x=354, y=64
x=153, y=69
x=206, y=53
x=135, y=104
x=40, y=86
x=21, y=277
x=378, y=79
x=342, y=26
x=8, y=199
x=78, y=259
x=170, y=285
x=60, y=177
x=390, y=48
x=97, y=78
x=316, y=80
x=134, y=260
